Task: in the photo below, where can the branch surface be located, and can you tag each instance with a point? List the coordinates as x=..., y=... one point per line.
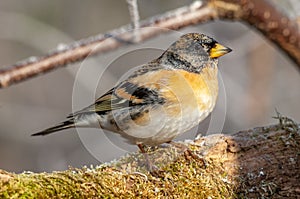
x=258, y=163
x=260, y=14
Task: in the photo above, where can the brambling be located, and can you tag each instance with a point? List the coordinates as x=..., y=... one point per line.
x=161, y=99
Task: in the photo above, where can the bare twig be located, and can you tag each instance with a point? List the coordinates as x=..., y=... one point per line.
x=135, y=18
x=261, y=14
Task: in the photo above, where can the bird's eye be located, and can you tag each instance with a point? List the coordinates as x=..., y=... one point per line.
x=211, y=45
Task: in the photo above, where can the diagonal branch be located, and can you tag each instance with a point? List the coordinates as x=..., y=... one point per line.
x=268, y=19
x=261, y=14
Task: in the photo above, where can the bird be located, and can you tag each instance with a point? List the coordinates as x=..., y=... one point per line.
x=159, y=100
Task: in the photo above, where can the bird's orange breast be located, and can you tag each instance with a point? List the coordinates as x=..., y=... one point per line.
x=195, y=90
x=183, y=89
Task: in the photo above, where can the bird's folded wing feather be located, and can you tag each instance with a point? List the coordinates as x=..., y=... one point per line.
x=126, y=95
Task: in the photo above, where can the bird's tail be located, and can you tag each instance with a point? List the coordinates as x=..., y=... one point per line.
x=64, y=125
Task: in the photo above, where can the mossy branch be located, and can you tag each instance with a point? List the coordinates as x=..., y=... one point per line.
x=260, y=162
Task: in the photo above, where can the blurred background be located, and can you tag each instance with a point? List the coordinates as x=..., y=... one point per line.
x=255, y=79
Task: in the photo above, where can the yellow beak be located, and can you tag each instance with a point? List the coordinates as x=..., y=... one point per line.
x=218, y=50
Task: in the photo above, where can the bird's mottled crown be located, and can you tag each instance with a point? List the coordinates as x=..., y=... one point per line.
x=197, y=40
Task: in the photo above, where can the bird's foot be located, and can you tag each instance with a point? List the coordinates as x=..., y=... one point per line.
x=188, y=153
x=151, y=168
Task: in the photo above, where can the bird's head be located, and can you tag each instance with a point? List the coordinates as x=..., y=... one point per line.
x=195, y=49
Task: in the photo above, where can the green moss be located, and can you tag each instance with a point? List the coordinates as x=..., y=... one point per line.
x=125, y=179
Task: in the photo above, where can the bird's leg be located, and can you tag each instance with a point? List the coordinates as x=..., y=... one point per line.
x=146, y=156
x=150, y=167
x=142, y=149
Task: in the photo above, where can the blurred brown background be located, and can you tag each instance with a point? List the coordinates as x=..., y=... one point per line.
x=257, y=78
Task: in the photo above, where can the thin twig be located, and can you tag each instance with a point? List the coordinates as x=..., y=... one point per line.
x=135, y=18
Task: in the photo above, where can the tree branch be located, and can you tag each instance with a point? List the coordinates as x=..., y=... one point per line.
x=267, y=19
x=261, y=14
x=258, y=163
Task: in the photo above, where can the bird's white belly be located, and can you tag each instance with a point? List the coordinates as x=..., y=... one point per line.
x=175, y=126
x=163, y=128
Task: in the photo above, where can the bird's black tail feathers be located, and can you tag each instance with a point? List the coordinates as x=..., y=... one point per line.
x=64, y=125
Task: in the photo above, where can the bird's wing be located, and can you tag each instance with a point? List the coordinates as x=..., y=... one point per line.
x=106, y=102
x=125, y=95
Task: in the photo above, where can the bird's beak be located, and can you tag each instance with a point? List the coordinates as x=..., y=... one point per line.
x=218, y=50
